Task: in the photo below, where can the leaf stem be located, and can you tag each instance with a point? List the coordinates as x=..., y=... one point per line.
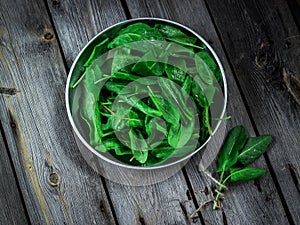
x=207, y=121
x=108, y=133
x=78, y=81
x=224, y=118
x=213, y=179
x=193, y=215
x=109, y=110
x=184, y=43
x=219, y=189
x=102, y=79
x=116, y=115
x=132, y=158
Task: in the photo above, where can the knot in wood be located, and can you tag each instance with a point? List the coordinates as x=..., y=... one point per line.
x=265, y=56
x=13, y=125
x=293, y=85
x=54, y=179
x=55, y=2
x=48, y=36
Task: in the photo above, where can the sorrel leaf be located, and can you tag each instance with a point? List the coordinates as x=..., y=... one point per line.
x=254, y=148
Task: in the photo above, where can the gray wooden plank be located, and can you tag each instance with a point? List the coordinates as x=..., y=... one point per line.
x=164, y=203
x=294, y=6
x=245, y=204
x=12, y=210
x=58, y=187
x=77, y=22
x=268, y=71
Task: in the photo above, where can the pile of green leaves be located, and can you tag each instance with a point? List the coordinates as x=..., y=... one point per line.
x=138, y=51
x=237, y=152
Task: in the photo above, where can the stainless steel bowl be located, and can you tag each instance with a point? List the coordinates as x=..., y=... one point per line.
x=113, y=170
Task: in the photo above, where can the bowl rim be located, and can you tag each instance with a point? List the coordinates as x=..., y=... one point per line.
x=94, y=151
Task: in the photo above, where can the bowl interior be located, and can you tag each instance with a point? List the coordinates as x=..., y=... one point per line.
x=77, y=70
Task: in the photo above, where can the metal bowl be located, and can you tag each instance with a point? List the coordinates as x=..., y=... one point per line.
x=114, y=170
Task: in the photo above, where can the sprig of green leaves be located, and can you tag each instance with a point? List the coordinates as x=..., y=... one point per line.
x=237, y=152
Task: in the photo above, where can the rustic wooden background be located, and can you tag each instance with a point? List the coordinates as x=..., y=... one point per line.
x=44, y=179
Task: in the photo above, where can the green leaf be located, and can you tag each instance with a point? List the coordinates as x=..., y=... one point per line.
x=124, y=76
x=247, y=173
x=140, y=105
x=179, y=52
x=89, y=110
x=254, y=148
x=234, y=141
x=118, y=120
x=133, y=33
x=123, y=151
x=179, y=134
x=168, y=110
x=91, y=115
x=137, y=28
x=202, y=92
x=139, y=146
x=203, y=69
x=162, y=152
x=113, y=144
x=125, y=39
x=91, y=76
x=218, y=74
x=149, y=65
x=121, y=61
x=199, y=95
x=205, y=128
x=176, y=95
x=211, y=64
x=99, y=49
x=176, y=73
x=119, y=88
x=134, y=120
x=108, y=124
x=187, y=86
x=156, y=130
x=174, y=33
x=154, y=125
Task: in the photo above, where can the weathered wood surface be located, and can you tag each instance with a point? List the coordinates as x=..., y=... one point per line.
x=57, y=185
x=163, y=203
x=76, y=22
x=294, y=6
x=261, y=44
x=245, y=204
x=12, y=207
x=267, y=68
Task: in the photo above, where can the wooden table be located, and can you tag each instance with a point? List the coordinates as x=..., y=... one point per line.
x=43, y=177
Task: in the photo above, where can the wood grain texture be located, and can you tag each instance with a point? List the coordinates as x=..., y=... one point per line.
x=76, y=22
x=294, y=6
x=164, y=203
x=12, y=208
x=58, y=187
x=246, y=203
x=267, y=68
